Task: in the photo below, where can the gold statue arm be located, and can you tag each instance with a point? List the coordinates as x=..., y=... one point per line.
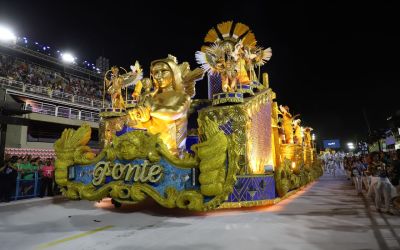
x=172, y=112
x=108, y=82
x=138, y=89
x=169, y=113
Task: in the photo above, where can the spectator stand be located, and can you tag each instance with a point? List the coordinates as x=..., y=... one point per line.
x=50, y=82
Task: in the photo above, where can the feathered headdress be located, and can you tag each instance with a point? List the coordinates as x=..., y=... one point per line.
x=209, y=58
x=133, y=77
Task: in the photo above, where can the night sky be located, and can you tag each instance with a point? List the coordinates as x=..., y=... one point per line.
x=330, y=62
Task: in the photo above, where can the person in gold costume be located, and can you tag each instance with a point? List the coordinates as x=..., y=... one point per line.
x=298, y=135
x=307, y=136
x=114, y=88
x=166, y=111
x=241, y=63
x=287, y=121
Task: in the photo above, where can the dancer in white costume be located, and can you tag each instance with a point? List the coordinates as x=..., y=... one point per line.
x=380, y=184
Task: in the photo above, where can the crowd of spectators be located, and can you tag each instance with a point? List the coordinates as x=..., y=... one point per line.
x=19, y=70
x=378, y=173
x=22, y=171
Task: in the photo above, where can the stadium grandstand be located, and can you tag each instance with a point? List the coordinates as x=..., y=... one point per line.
x=55, y=93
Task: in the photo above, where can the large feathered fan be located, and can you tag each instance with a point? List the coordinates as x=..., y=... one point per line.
x=203, y=59
x=209, y=58
x=239, y=30
x=212, y=36
x=225, y=28
x=263, y=56
x=249, y=39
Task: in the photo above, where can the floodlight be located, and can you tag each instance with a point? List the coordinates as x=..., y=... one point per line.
x=350, y=145
x=68, y=57
x=6, y=35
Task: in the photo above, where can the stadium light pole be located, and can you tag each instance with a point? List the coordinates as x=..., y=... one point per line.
x=7, y=35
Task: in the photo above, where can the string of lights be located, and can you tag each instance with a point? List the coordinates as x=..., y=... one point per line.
x=50, y=51
x=7, y=35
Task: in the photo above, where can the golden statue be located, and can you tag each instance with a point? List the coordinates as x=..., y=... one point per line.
x=114, y=87
x=287, y=121
x=118, y=82
x=147, y=94
x=138, y=89
x=166, y=111
x=298, y=135
x=307, y=136
x=137, y=70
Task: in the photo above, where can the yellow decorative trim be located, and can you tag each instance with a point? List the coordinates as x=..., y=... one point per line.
x=112, y=114
x=227, y=99
x=259, y=202
x=248, y=203
x=254, y=176
x=246, y=91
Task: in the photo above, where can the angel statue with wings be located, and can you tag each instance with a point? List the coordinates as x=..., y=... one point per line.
x=287, y=121
x=116, y=82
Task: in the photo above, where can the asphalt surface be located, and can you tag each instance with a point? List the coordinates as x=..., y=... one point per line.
x=327, y=214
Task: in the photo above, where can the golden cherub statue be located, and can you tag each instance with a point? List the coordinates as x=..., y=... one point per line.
x=147, y=93
x=117, y=82
x=114, y=87
x=287, y=121
x=298, y=133
x=307, y=136
x=165, y=112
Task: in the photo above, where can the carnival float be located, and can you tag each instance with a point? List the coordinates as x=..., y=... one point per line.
x=239, y=148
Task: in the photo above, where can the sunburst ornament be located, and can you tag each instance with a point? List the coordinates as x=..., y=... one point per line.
x=230, y=50
x=231, y=32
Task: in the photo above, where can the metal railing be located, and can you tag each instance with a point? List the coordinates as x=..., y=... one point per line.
x=45, y=91
x=60, y=111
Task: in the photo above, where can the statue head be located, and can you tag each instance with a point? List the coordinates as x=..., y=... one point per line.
x=284, y=110
x=308, y=129
x=115, y=70
x=166, y=73
x=296, y=122
x=127, y=146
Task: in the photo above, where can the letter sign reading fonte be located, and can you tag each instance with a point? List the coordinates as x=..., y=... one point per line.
x=144, y=172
